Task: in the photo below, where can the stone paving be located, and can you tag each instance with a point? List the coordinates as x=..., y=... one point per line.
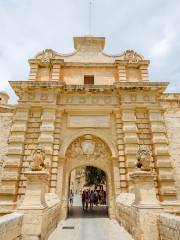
x=93, y=225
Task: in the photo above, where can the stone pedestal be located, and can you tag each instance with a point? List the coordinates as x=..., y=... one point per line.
x=37, y=184
x=34, y=206
x=146, y=207
x=144, y=189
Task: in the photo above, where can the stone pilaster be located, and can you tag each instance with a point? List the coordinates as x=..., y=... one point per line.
x=130, y=140
x=33, y=74
x=144, y=73
x=121, y=154
x=56, y=147
x=56, y=71
x=165, y=180
x=122, y=73
x=47, y=128
x=13, y=164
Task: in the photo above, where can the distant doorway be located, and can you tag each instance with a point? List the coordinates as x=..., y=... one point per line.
x=88, y=193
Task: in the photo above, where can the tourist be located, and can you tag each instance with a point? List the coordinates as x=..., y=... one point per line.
x=83, y=199
x=96, y=197
x=91, y=199
x=71, y=197
x=87, y=198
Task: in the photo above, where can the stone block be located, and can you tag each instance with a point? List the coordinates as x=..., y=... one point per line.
x=47, y=127
x=19, y=127
x=129, y=127
x=131, y=149
x=46, y=138
x=158, y=127
x=128, y=116
x=161, y=149
x=15, y=149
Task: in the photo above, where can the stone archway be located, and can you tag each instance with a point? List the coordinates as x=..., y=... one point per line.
x=86, y=150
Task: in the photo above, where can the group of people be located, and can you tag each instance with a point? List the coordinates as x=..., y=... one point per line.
x=92, y=198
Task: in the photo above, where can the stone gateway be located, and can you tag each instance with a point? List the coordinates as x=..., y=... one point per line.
x=89, y=108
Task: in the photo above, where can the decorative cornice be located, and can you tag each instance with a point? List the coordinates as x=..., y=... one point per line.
x=20, y=86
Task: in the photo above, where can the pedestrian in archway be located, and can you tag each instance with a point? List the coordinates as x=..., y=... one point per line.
x=96, y=197
x=71, y=197
x=87, y=199
x=83, y=199
x=91, y=199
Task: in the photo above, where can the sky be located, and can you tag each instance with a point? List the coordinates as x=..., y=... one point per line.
x=150, y=27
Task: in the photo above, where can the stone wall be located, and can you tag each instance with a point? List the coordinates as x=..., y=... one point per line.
x=47, y=219
x=125, y=215
x=133, y=212
x=171, y=105
x=169, y=226
x=10, y=226
x=5, y=125
x=172, y=120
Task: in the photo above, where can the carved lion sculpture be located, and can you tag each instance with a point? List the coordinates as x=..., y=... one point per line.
x=144, y=158
x=38, y=160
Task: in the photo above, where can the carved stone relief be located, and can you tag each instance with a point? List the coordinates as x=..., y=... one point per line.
x=132, y=56
x=88, y=99
x=87, y=147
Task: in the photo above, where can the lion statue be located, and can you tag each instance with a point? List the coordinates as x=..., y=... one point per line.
x=144, y=158
x=38, y=159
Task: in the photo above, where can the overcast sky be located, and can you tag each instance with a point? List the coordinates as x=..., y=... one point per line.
x=151, y=27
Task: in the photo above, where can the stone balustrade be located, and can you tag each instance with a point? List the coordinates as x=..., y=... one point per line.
x=169, y=226
x=125, y=212
x=10, y=226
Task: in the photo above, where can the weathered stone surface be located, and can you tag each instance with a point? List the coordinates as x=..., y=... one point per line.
x=169, y=226
x=10, y=226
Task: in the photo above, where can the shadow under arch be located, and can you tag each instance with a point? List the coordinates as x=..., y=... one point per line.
x=68, y=140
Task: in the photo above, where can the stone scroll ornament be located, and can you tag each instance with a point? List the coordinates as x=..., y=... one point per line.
x=38, y=160
x=132, y=56
x=144, y=158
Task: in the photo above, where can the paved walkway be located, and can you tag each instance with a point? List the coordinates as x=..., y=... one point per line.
x=93, y=225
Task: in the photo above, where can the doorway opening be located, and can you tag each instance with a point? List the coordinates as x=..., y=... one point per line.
x=88, y=193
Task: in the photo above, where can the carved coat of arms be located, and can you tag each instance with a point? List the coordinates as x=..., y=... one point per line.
x=88, y=147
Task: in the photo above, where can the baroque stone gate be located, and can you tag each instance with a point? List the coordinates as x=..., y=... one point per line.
x=87, y=108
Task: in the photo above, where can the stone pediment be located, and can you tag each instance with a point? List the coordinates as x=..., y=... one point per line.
x=89, y=49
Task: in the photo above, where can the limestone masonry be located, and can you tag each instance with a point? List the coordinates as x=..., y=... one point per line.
x=105, y=102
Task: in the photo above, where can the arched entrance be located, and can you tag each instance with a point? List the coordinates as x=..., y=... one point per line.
x=91, y=183
x=86, y=150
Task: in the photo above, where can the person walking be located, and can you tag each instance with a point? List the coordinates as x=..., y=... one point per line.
x=86, y=199
x=95, y=197
x=71, y=197
x=91, y=199
x=83, y=199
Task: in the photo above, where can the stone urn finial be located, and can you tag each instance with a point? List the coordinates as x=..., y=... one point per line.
x=144, y=158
